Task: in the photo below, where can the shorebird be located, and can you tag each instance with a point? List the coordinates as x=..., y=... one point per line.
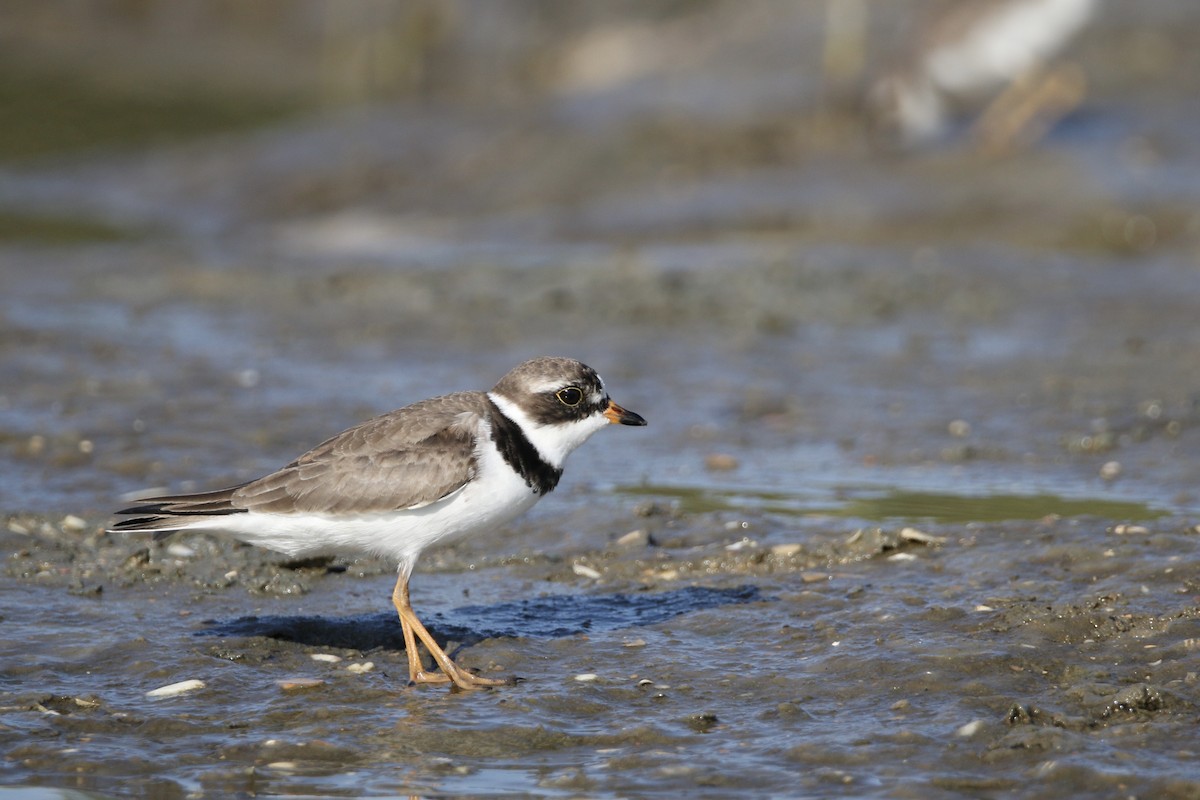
x=429, y=473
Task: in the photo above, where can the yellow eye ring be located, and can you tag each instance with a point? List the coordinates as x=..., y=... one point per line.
x=570, y=396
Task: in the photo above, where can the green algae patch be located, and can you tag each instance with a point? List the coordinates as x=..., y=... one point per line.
x=953, y=508
x=51, y=229
x=48, y=112
x=895, y=504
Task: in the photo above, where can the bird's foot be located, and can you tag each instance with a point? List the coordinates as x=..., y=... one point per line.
x=459, y=677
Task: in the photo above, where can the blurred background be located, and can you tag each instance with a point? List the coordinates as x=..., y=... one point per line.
x=275, y=218
x=863, y=265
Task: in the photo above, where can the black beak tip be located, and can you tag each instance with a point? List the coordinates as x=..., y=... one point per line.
x=615, y=414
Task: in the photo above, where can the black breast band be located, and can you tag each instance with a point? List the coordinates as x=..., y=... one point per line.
x=521, y=455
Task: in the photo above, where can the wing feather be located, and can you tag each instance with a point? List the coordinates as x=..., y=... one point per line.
x=405, y=459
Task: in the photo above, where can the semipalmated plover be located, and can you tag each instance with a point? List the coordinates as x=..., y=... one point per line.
x=977, y=47
x=428, y=473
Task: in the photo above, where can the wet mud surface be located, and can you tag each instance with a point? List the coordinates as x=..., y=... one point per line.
x=915, y=514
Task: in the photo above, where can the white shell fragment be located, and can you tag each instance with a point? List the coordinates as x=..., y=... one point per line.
x=584, y=571
x=635, y=538
x=741, y=544
x=970, y=729
x=173, y=689
x=914, y=535
x=73, y=524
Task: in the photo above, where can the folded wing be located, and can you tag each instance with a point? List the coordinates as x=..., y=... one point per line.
x=405, y=459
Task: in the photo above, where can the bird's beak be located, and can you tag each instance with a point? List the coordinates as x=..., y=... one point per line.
x=619, y=416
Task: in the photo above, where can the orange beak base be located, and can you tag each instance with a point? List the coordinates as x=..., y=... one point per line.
x=619, y=416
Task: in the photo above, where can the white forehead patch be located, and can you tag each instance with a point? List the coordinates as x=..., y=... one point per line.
x=546, y=386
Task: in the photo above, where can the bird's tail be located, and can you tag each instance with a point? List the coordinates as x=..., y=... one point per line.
x=168, y=513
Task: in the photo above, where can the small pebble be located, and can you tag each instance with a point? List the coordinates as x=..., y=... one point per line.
x=173, y=689
x=180, y=550
x=902, y=557
x=650, y=508
x=361, y=668
x=587, y=677
x=639, y=642
x=959, y=428
x=1130, y=530
x=584, y=571
x=1110, y=470
x=703, y=722
x=329, y=658
x=296, y=684
x=785, y=550
x=720, y=462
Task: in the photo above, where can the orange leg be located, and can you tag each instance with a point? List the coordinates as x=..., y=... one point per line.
x=414, y=630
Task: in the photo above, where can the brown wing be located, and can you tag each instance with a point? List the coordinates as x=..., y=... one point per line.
x=410, y=457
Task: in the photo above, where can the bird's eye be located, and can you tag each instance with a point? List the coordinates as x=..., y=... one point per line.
x=570, y=396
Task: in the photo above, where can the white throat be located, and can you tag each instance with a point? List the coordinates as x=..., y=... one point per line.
x=553, y=442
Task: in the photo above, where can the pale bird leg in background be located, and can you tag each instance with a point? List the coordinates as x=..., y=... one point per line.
x=1028, y=108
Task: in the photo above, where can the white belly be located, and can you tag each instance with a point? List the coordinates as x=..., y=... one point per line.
x=496, y=496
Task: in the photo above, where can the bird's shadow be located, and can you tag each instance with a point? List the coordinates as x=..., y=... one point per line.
x=542, y=617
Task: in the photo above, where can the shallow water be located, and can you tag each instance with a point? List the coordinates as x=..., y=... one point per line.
x=914, y=516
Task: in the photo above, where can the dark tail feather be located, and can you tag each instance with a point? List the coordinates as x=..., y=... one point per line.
x=169, y=513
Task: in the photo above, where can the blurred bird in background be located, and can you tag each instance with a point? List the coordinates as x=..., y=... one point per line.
x=1001, y=51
